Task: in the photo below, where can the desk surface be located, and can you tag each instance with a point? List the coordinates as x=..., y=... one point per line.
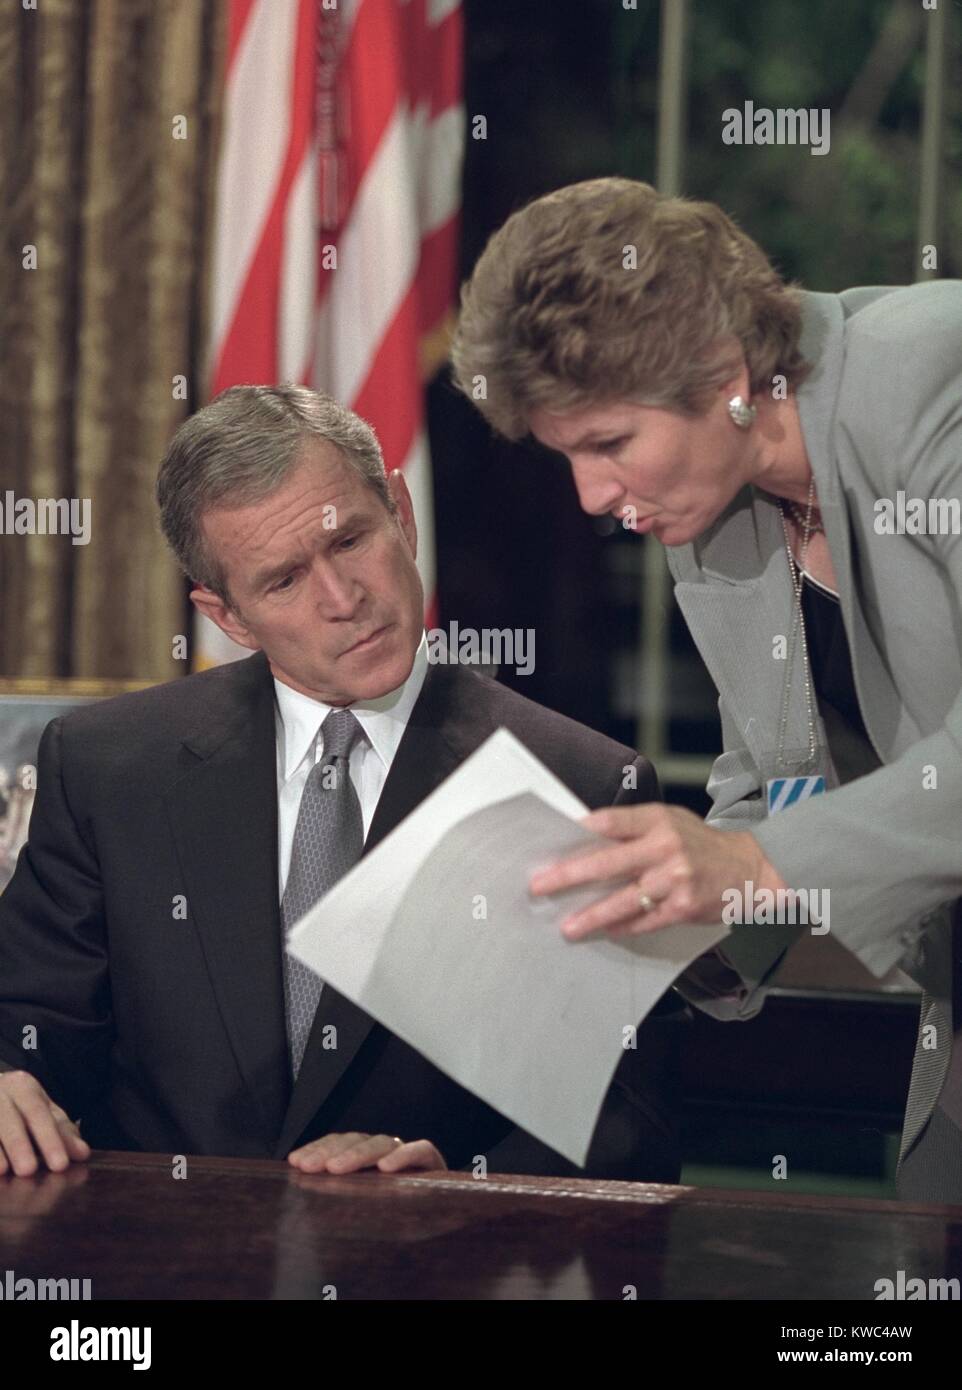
x=242, y=1228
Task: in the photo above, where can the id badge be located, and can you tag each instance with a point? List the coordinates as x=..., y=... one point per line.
x=782, y=792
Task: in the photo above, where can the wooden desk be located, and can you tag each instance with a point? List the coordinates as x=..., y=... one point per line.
x=251, y=1229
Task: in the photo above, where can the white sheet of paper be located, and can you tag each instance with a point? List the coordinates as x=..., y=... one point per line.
x=435, y=935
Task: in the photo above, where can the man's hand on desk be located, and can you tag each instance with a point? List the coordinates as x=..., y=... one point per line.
x=349, y=1153
x=679, y=868
x=31, y=1124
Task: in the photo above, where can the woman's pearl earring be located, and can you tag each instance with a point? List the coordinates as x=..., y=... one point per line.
x=742, y=413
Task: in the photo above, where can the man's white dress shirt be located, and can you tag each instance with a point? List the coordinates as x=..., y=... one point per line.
x=299, y=745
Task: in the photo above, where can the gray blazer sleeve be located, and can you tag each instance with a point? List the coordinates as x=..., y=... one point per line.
x=729, y=982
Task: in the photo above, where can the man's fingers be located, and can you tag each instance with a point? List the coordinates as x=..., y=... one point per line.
x=77, y=1146
x=31, y=1124
x=70, y=1132
x=363, y=1155
x=34, y=1125
x=16, y=1147
x=17, y=1153
x=420, y=1154
x=349, y=1153
x=315, y=1156
x=43, y=1128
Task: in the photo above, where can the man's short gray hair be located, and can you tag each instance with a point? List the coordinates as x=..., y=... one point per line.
x=239, y=449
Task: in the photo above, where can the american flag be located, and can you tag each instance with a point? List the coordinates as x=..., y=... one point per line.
x=338, y=217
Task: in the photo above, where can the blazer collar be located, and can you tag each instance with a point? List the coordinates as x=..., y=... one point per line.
x=734, y=583
x=890, y=727
x=738, y=547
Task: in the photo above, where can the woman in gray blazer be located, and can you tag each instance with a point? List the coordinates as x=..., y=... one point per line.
x=800, y=456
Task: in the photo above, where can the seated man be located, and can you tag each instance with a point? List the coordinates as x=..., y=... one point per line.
x=179, y=832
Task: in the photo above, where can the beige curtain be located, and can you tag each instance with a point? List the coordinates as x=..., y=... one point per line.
x=93, y=95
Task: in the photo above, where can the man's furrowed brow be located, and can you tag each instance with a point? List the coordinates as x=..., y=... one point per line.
x=345, y=522
x=266, y=576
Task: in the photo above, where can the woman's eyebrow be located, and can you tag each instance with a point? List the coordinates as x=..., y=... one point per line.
x=593, y=438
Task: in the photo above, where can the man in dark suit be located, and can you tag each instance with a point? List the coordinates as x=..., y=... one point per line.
x=144, y=990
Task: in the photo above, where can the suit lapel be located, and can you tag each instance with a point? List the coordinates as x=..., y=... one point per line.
x=442, y=731
x=223, y=817
x=823, y=343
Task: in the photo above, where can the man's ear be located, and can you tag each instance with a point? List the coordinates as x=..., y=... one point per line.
x=405, y=508
x=213, y=606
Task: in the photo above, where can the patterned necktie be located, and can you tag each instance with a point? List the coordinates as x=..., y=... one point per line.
x=328, y=840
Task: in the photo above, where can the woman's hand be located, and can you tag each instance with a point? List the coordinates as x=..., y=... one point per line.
x=683, y=865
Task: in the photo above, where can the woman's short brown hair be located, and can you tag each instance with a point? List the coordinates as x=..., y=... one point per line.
x=608, y=290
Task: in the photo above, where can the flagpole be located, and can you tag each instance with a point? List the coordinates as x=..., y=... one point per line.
x=655, y=604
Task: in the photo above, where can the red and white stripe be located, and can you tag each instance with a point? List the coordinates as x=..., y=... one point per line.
x=343, y=128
